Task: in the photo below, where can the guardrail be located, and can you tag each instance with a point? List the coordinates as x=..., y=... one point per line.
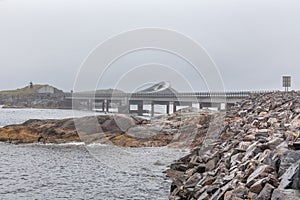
x=233, y=94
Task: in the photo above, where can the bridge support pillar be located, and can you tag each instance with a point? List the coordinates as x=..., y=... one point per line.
x=200, y=105
x=107, y=105
x=103, y=105
x=90, y=104
x=175, y=104
x=217, y=105
x=140, y=106
x=152, y=108
x=98, y=105
x=168, y=107
x=90, y=101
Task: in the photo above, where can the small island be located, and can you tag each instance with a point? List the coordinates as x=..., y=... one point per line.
x=35, y=96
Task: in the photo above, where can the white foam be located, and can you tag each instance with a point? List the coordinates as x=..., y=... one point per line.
x=72, y=144
x=98, y=145
x=62, y=144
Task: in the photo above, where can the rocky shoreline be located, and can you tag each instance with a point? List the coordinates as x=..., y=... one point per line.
x=256, y=155
x=122, y=130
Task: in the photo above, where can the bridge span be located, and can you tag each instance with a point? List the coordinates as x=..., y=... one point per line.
x=122, y=102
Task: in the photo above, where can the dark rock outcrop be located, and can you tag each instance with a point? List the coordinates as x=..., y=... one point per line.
x=119, y=129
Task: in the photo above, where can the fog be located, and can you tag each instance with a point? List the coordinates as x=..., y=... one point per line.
x=252, y=42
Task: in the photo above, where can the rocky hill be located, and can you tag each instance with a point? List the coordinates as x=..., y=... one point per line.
x=31, y=89
x=256, y=155
x=34, y=95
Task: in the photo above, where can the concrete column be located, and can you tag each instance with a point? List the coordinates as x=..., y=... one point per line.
x=107, y=105
x=168, y=107
x=218, y=106
x=152, y=108
x=128, y=107
x=89, y=105
x=103, y=105
x=140, y=107
x=174, y=106
x=200, y=105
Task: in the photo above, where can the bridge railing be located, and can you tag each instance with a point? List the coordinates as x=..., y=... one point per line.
x=230, y=94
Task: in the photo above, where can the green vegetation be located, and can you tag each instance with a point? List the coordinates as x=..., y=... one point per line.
x=23, y=91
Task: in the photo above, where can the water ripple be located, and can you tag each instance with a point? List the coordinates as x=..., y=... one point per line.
x=70, y=172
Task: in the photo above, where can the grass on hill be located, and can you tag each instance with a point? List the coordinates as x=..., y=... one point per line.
x=23, y=91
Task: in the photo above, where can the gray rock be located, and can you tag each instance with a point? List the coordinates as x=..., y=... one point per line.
x=287, y=159
x=262, y=133
x=243, y=113
x=211, y=164
x=250, y=151
x=219, y=194
x=258, y=186
x=244, y=145
x=192, y=181
x=295, y=123
x=258, y=173
x=274, y=142
x=290, y=179
x=266, y=192
x=290, y=194
x=272, y=120
x=240, y=192
x=297, y=110
x=204, y=196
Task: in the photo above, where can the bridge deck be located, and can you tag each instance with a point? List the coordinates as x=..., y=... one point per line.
x=237, y=94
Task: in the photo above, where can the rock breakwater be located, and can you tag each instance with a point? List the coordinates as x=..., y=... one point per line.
x=256, y=155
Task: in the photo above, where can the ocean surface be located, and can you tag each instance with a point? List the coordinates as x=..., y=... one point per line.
x=15, y=116
x=77, y=171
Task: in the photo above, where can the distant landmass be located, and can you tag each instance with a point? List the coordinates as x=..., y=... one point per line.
x=33, y=89
x=42, y=96
x=35, y=96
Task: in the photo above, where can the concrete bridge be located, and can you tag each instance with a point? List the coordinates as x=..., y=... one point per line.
x=123, y=102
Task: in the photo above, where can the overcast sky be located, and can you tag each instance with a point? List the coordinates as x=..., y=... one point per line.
x=253, y=42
